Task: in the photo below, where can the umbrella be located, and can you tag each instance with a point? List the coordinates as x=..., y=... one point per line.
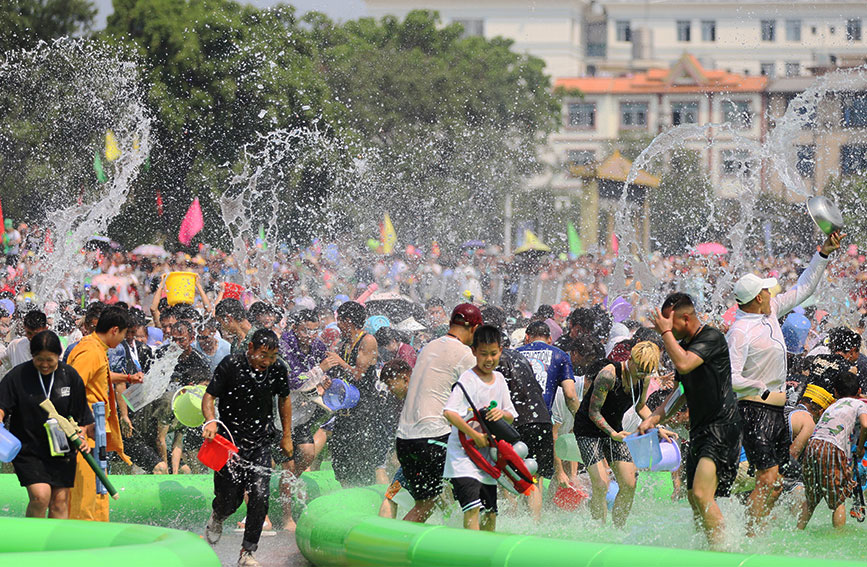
x=103, y=243
x=392, y=304
x=473, y=244
x=709, y=249
x=532, y=244
x=150, y=250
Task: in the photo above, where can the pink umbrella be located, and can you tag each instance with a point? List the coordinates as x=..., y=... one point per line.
x=709, y=249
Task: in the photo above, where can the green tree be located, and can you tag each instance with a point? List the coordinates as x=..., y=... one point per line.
x=850, y=194
x=453, y=123
x=23, y=23
x=220, y=76
x=681, y=207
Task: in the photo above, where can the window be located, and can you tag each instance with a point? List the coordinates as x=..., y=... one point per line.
x=832, y=30
x=684, y=113
x=633, y=115
x=793, y=69
x=806, y=165
x=853, y=29
x=814, y=30
x=708, y=30
x=738, y=113
x=769, y=30
x=737, y=162
x=623, y=31
x=793, y=30
x=472, y=28
x=582, y=115
x=853, y=159
x=855, y=111
x=580, y=157
x=767, y=70
x=683, y=30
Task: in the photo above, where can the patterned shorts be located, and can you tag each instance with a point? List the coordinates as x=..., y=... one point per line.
x=827, y=474
x=594, y=449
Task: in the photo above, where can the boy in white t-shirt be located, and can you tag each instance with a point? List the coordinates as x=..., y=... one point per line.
x=826, y=467
x=473, y=488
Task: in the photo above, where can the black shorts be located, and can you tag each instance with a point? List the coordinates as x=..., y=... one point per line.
x=58, y=472
x=540, y=444
x=594, y=449
x=471, y=493
x=301, y=435
x=766, y=435
x=423, y=461
x=721, y=443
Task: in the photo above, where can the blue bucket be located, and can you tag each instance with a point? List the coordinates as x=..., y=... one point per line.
x=9, y=445
x=796, y=327
x=644, y=449
x=341, y=395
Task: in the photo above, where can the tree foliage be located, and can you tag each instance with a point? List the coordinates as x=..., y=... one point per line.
x=24, y=23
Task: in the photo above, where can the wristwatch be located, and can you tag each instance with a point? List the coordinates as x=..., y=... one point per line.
x=765, y=394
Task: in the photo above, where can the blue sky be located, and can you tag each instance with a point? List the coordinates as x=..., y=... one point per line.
x=337, y=9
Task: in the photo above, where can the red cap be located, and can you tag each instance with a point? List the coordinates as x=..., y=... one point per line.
x=466, y=314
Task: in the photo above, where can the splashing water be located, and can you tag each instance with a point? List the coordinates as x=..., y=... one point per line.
x=777, y=155
x=76, y=90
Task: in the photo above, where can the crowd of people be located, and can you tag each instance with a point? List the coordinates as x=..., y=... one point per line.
x=429, y=388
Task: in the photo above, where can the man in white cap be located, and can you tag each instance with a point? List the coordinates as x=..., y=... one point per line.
x=758, y=357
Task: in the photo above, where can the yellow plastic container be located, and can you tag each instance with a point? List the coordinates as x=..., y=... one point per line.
x=181, y=287
x=187, y=405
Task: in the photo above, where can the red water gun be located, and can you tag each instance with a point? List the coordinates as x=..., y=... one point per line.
x=506, y=462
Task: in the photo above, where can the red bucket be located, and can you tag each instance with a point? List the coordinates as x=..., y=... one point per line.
x=569, y=497
x=215, y=454
x=232, y=290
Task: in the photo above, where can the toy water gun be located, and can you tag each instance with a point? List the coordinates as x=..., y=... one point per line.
x=508, y=464
x=99, y=437
x=70, y=428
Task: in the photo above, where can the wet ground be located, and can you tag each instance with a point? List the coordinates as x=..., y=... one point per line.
x=274, y=551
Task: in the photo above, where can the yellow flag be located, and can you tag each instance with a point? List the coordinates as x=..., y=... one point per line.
x=112, y=151
x=532, y=242
x=388, y=235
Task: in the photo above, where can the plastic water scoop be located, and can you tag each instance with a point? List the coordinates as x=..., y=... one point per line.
x=9, y=445
x=215, y=453
x=187, y=405
x=341, y=395
x=648, y=453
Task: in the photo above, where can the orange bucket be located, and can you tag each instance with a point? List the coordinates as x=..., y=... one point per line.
x=232, y=290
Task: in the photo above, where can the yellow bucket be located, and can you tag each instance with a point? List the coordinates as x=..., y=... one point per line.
x=187, y=405
x=181, y=287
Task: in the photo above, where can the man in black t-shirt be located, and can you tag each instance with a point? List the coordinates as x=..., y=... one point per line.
x=245, y=384
x=701, y=360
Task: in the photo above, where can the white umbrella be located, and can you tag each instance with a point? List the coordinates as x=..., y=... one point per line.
x=150, y=250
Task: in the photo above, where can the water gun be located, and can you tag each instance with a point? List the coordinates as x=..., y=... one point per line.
x=99, y=437
x=507, y=464
x=70, y=428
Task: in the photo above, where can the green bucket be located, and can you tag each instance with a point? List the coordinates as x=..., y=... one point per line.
x=187, y=405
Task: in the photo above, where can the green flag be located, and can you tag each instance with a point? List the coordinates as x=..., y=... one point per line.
x=575, y=247
x=262, y=236
x=97, y=167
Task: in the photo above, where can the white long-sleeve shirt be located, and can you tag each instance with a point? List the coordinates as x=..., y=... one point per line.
x=756, y=346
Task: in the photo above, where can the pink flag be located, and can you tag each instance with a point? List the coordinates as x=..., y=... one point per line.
x=615, y=244
x=192, y=224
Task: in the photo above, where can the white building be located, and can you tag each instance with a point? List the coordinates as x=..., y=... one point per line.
x=549, y=29
x=775, y=38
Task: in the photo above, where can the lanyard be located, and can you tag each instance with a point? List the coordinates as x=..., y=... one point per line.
x=50, y=386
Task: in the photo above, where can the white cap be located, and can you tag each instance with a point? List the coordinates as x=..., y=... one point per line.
x=750, y=285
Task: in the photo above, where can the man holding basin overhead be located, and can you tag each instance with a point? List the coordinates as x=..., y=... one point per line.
x=701, y=360
x=758, y=356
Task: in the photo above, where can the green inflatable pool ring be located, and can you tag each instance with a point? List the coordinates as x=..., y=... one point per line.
x=343, y=529
x=71, y=543
x=182, y=502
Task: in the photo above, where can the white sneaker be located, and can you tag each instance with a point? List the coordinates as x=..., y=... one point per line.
x=213, y=530
x=247, y=560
